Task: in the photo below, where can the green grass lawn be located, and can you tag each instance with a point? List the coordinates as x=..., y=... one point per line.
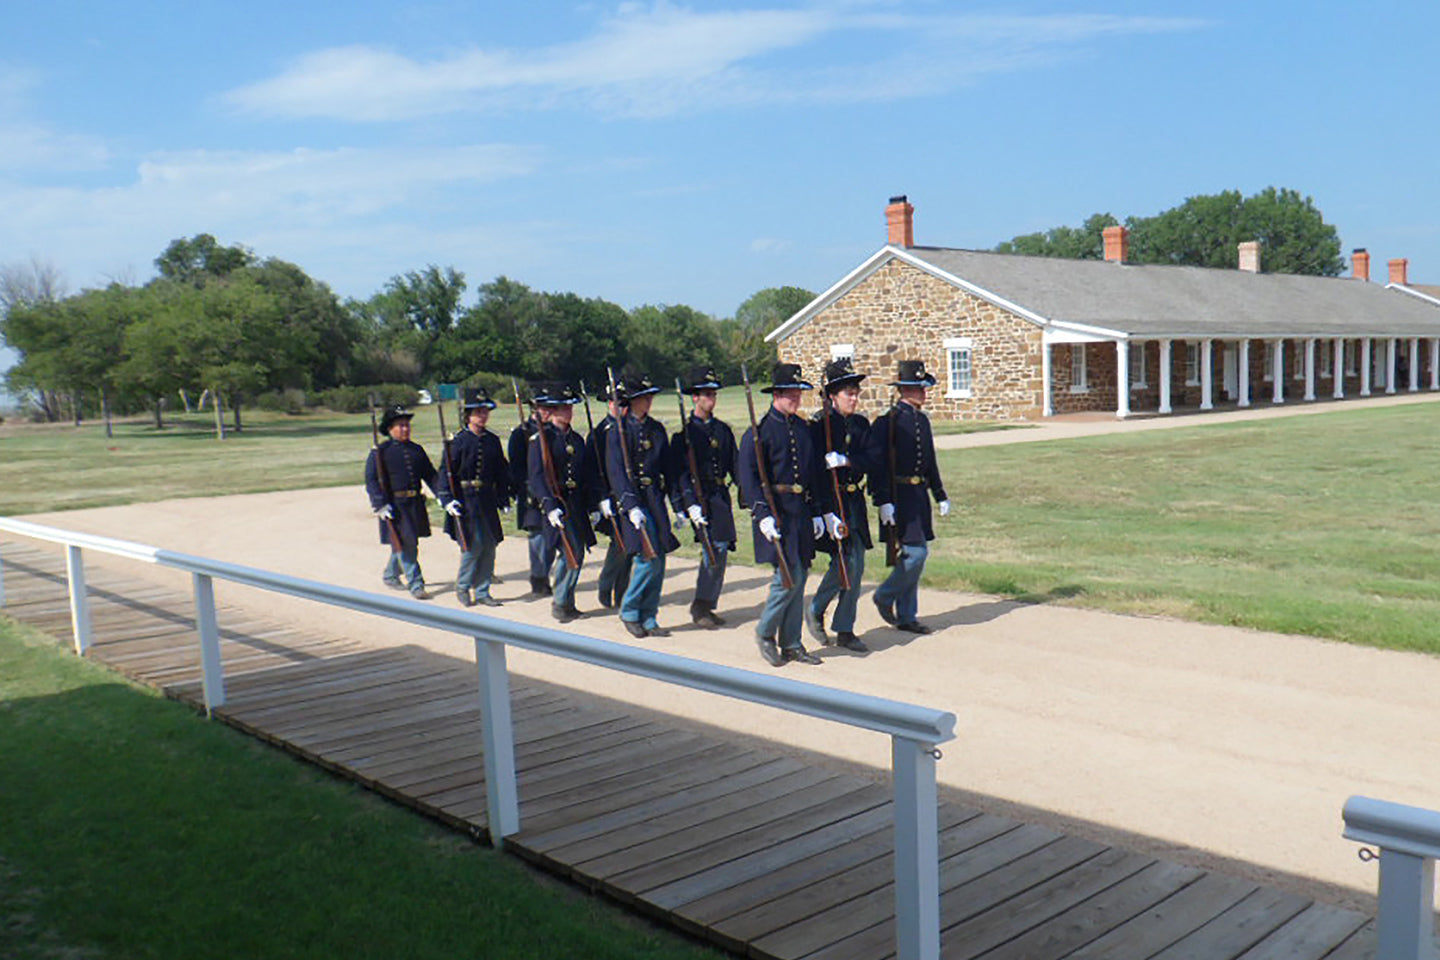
x=132, y=827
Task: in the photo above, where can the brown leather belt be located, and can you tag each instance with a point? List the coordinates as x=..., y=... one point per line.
x=474, y=484
x=787, y=487
x=913, y=481
x=644, y=481
x=852, y=488
x=402, y=494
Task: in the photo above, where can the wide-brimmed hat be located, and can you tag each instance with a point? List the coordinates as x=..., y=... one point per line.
x=701, y=378
x=478, y=398
x=636, y=385
x=392, y=414
x=911, y=373
x=839, y=373
x=786, y=376
x=558, y=394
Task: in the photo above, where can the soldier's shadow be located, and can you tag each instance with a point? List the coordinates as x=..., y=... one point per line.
x=886, y=637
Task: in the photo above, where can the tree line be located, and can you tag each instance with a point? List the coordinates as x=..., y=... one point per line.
x=220, y=322
x=1206, y=231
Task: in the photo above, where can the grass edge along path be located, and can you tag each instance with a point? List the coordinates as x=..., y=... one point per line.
x=131, y=826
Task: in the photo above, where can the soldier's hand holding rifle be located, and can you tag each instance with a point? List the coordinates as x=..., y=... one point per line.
x=768, y=530
x=385, y=512
x=696, y=515
x=817, y=527
x=887, y=514
x=556, y=518
x=834, y=526
x=453, y=508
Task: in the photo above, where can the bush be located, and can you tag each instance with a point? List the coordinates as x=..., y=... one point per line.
x=291, y=400
x=499, y=385
x=357, y=399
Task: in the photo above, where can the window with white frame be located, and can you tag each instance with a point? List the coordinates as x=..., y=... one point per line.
x=1137, y=365
x=1327, y=355
x=1192, y=363
x=1299, y=364
x=1352, y=359
x=959, y=366
x=1269, y=361
x=842, y=351
x=1079, y=376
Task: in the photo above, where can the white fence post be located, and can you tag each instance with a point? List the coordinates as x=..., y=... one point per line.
x=2, y=581
x=917, y=851
x=1409, y=842
x=211, y=667
x=79, y=599
x=497, y=731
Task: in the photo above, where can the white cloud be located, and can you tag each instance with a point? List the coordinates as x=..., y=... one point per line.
x=767, y=245
x=664, y=59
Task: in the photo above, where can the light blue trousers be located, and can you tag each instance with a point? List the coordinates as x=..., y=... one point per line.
x=901, y=589
x=406, y=562
x=641, y=603
x=784, y=609
x=843, y=620
x=477, y=565
x=563, y=578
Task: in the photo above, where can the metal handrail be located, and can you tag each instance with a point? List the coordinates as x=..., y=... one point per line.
x=914, y=730
x=1409, y=842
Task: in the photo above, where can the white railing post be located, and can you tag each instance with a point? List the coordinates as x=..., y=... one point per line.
x=211, y=668
x=1409, y=842
x=917, y=851
x=497, y=730
x=2, y=578
x=79, y=599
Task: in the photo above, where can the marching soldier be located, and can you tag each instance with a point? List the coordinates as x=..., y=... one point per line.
x=705, y=500
x=528, y=518
x=778, y=468
x=484, y=489
x=903, y=471
x=394, y=471
x=638, y=466
x=615, y=570
x=560, y=481
x=843, y=443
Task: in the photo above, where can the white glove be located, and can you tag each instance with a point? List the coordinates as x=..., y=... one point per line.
x=680, y=521
x=594, y=517
x=385, y=512
x=833, y=460
x=768, y=530
x=834, y=525
x=944, y=508
x=453, y=508
x=696, y=515
x=505, y=509
x=607, y=509
x=817, y=526
x=887, y=513
x=637, y=518
x=556, y=518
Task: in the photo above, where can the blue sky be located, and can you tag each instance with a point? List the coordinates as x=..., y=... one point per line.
x=689, y=152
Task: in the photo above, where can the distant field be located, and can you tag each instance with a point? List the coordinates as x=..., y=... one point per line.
x=1324, y=525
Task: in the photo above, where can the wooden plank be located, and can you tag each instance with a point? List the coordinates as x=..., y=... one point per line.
x=1360, y=946
x=1169, y=921
x=1239, y=928
x=1311, y=934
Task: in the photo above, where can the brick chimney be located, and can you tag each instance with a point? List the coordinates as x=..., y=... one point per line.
x=1250, y=256
x=1360, y=264
x=1117, y=244
x=1399, y=270
x=900, y=218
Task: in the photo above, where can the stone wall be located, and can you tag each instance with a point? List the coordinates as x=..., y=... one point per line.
x=903, y=313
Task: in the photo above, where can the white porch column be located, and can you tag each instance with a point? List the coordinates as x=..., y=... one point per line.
x=1365, y=366
x=1435, y=363
x=1165, y=375
x=1277, y=373
x=1337, y=368
x=1206, y=401
x=1310, y=368
x=1122, y=378
x=1242, y=373
x=1047, y=388
x=1414, y=364
x=1390, y=346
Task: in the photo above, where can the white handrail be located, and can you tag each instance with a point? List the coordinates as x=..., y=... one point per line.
x=914, y=730
x=1409, y=842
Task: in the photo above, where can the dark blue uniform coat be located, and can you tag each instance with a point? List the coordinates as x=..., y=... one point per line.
x=715, y=459
x=646, y=484
x=574, y=480
x=851, y=436
x=527, y=510
x=917, y=475
x=484, y=478
x=596, y=448
x=793, y=463
x=406, y=466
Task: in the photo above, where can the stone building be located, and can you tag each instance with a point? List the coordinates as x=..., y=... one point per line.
x=1016, y=337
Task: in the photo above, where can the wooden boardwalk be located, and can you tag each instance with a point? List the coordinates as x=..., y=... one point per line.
x=759, y=851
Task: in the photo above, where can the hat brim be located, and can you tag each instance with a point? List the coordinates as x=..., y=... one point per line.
x=842, y=381
x=642, y=393
x=697, y=387
x=481, y=405
x=566, y=402
x=798, y=385
x=929, y=381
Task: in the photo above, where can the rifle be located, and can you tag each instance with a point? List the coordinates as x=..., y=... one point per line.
x=892, y=537
x=519, y=406
x=383, y=475
x=647, y=549
x=553, y=482
x=589, y=421
x=703, y=529
x=843, y=531
x=453, y=478
x=786, y=580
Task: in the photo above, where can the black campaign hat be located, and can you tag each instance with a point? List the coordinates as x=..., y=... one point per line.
x=478, y=398
x=786, y=376
x=558, y=395
x=911, y=373
x=839, y=373
x=701, y=378
x=392, y=414
x=637, y=385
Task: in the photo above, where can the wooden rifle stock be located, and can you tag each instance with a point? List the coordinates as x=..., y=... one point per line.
x=844, y=531
x=454, y=480
x=786, y=580
x=892, y=535
x=383, y=475
x=703, y=529
x=553, y=482
x=647, y=549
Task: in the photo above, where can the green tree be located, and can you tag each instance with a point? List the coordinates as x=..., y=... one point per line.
x=741, y=339
x=665, y=341
x=1086, y=242
x=200, y=258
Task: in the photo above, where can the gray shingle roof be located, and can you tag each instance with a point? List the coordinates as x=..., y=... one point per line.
x=1173, y=301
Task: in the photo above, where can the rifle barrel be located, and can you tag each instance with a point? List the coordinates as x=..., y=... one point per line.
x=786, y=580
x=702, y=529
x=453, y=478
x=827, y=406
x=383, y=475
x=647, y=549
